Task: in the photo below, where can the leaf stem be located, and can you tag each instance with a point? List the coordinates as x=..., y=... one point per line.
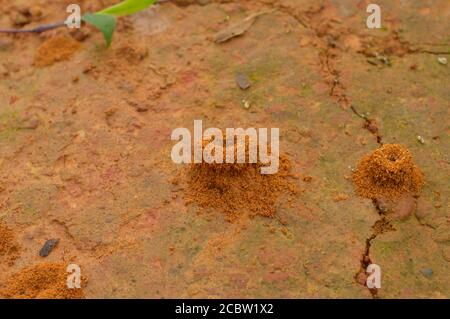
x=38, y=29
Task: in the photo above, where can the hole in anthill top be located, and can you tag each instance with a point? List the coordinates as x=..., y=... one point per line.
x=393, y=155
x=392, y=158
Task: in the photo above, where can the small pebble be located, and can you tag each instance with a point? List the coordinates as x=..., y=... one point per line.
x=242, y=81
x=384, y=59
x=442, y=60
x=48, y=247
x=420, y=139
x=427, y=272
x=404, y=208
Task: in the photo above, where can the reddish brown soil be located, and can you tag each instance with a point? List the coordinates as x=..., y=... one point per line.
x=55, y=49
x=43, y=281
x=9, y=249
x=90, y=163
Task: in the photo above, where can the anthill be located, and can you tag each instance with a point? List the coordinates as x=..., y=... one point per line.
x=387, y=172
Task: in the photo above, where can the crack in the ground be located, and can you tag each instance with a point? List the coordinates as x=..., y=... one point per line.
x=421, y=223
x=325, y=32
x=369, y=124
x=365, y=262
x=381, y=226
x=327, y=56
x=328, y=32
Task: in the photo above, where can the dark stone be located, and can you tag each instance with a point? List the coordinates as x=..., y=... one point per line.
x=427, y=272
x=48, y=247
x=243, y=81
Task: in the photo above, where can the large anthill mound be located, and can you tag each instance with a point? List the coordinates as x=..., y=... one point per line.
x=43, y=281
x=388, y=172
x=9, y=249
x=239, y=189
x=57, y=48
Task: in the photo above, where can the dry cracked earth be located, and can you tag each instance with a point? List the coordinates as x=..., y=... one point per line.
x=85, y=147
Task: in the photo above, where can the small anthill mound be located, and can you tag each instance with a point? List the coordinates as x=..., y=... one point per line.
x=43, y=281
x=388, y=172
x=239, y=189
x=57, y=48
x=9, y=249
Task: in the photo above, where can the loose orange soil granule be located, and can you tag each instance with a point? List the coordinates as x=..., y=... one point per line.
x=388, y=172
x=57, y=48
x=9, y=249
x=43, y=281
x=239, y=189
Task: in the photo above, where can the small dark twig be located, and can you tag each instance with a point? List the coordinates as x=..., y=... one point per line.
x=433, y=52
x=358, y=114
x=39, y=29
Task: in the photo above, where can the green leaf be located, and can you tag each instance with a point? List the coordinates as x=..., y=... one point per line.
x=104, y=22
x=127, y=7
